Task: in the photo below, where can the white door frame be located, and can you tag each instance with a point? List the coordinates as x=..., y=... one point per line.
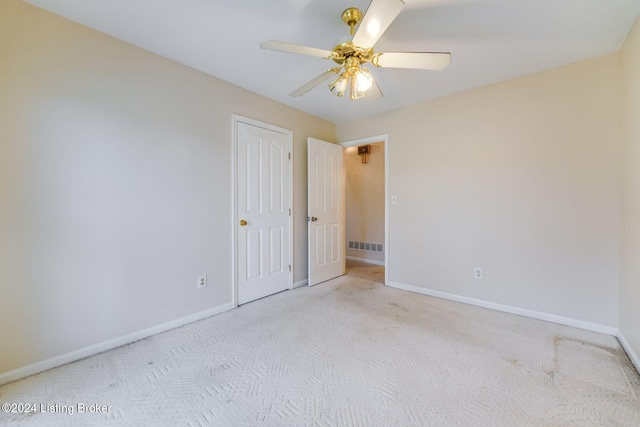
x=371, y=140
x=235, y=119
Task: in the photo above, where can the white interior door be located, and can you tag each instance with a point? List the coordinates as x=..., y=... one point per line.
x=263, y=211
x=326, y=211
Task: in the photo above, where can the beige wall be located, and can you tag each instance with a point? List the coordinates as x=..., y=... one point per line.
x=630, y=245
x=115, y=185
x=365, y=200
x=522, y=179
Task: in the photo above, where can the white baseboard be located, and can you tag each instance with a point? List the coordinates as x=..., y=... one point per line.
x=301, y=283
x=63, y=359
x=629, y=350
x=368, y=261
x=581, y=324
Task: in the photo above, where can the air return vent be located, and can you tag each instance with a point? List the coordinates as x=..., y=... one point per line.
x=366, y=246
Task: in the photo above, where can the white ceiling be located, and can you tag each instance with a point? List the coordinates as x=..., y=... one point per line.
x=490, y=41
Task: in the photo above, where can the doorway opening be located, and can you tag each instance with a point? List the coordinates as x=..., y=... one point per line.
x=365, y=163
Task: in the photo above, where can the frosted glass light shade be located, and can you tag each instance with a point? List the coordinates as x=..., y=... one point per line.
x=338, y=86
x=364, y=79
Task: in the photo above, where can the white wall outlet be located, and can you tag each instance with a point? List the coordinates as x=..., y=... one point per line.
x=394, y=200
x=202, y=281
x=477, y=273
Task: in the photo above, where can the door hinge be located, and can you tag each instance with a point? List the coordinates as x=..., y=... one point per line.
x=289, y=211
x=289, y=155
x=289, y=268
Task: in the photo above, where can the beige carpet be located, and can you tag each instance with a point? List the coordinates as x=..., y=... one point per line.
x=348, y=352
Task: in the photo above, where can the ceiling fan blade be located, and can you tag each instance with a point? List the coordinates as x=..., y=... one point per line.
x=296, y=48
x=374, y=93
x=417, y=60
x=377, y=19
x=315, y=82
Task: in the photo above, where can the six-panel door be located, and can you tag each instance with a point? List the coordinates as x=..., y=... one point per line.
x=263, y=212
x=326, y=211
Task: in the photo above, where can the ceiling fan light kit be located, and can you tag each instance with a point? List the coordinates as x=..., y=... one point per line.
x=351, y=55
x=358, y=79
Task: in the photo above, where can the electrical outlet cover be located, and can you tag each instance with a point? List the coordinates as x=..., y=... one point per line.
x=202, y=281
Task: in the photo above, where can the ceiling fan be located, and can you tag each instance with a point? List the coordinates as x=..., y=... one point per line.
x=351, y=55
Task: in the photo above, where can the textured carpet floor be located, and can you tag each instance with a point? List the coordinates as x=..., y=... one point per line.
x=348, y=352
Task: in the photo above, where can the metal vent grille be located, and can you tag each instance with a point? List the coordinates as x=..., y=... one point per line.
x=366, y=246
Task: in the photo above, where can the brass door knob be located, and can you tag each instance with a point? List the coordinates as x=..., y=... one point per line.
x=243, y=222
